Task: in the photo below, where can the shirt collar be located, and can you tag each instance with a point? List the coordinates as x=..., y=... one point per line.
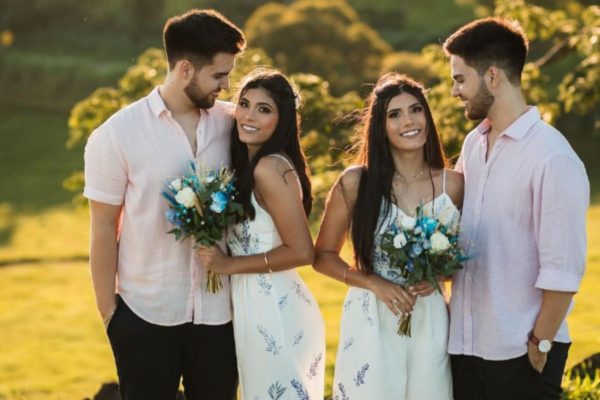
x=484, y=127
x=157, y=104
x=518, y=129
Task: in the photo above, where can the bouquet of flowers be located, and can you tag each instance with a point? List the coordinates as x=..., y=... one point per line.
x=422, y=248
x=201, y=205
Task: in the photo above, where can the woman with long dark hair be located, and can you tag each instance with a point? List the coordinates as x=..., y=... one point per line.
x=278, y=328
x=401, y=166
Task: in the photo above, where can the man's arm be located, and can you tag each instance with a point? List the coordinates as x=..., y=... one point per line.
x=103, y=256
x=561, y=198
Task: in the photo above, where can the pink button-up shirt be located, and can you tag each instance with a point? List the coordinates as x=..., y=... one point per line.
x=523, y=225
x=128, y=161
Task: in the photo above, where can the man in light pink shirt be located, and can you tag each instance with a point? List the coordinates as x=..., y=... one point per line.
x=150, y=289
x=523, y=224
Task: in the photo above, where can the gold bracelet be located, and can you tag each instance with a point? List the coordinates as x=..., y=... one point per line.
x=346, y=275
x=267, y=262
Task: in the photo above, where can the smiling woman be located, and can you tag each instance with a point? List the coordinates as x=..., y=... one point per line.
x=277, y=321
x=401, y=166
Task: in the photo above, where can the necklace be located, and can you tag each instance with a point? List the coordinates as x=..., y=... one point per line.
x=398, y=175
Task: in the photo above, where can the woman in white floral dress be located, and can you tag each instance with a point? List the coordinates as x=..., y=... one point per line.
x=278, y=327
x=401, y=166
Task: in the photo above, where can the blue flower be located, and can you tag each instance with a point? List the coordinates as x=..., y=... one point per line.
x=172, y=217
x=417, y=249
x=428, y=225
x=410, y=266
x=219, y=202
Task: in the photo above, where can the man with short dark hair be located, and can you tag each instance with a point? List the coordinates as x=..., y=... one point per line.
x=523, y=223
x=150, y=290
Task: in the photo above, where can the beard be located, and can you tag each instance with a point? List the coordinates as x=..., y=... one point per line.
x=479, y=106
x=198, y=98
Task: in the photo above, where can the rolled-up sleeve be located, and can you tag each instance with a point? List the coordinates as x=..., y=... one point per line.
x=105, y=169
x=561, y=197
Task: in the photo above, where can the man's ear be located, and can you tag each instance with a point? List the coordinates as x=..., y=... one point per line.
x=185, y=69
x=493, y=77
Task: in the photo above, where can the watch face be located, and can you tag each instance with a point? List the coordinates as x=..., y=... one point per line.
x=544, y=346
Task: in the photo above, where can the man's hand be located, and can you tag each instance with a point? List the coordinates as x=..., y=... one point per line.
x=537, y=359
x=108, y=315
x=106, y=319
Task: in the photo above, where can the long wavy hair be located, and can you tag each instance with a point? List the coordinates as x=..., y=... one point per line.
x=285, y=139
x=375, y=193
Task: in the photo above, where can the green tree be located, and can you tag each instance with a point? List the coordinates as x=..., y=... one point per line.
x=413, y=64
x=327, y=132
x=324, y=38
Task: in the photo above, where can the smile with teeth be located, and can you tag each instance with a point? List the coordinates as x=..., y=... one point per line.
x=249, y=129
x=410, y=133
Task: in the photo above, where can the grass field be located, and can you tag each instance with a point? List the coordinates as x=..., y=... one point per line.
x=53, y=345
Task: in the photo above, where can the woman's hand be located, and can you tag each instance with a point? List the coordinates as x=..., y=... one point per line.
x=398, y=300
x=214, y=259
x=422, y=289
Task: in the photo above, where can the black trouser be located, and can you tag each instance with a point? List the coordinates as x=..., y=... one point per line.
x=151, y=359
x=477, y=379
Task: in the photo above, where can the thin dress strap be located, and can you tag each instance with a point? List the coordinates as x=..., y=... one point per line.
x=444, y=182
x=291, y=168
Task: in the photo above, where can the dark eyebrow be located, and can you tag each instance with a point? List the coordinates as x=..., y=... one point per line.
x=258, y=104
x=456, y=76
x=416, y=103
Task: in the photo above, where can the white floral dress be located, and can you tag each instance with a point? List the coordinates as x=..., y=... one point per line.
x=278, y=327
x=373, y=361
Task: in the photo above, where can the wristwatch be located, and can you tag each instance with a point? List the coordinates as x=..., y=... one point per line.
x=543, y=345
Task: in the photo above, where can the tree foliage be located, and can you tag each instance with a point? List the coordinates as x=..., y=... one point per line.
x=324, y=38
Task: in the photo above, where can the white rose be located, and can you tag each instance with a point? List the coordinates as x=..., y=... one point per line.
x=439, y=242
x=399, y=240
x=186, y=197
x=407, y=223
x=176, y=184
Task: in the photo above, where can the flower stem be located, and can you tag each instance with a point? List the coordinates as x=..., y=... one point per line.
x=213, y=282
x=404, y=325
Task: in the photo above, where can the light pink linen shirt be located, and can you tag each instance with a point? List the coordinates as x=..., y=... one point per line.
x=128, y=161
x=523, y=225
